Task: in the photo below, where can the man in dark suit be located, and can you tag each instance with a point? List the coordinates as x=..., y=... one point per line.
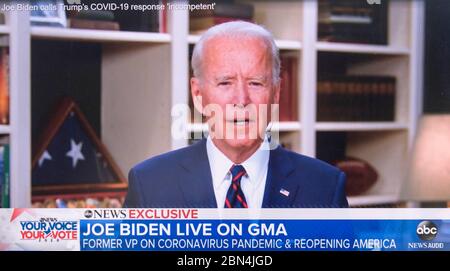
x=236, y=86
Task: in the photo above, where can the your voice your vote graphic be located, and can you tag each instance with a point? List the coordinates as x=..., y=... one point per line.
x=224, y=230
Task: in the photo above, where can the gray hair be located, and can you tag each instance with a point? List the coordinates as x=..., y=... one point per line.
x=237, y=29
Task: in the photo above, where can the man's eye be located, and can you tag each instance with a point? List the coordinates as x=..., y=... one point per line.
x=225, y=83
x=256, y=84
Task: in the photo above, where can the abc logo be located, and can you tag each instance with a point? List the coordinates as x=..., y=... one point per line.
x=427, y=230
x=88, y=213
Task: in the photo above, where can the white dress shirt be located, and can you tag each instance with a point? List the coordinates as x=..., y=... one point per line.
x=252, y=184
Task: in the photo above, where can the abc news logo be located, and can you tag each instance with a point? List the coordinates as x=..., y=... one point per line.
x=98, y=213
x=426, y=230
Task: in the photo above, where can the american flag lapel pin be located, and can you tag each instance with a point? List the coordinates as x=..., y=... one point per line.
x=284, y=192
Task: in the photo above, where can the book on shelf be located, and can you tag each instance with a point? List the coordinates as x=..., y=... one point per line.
x=49, y=13
x=92, y=24
x=92, y=19
x=162, y=18
x=288, y=110
x=152, y=20
x=201, y=20
x=2, y=18
x=4, y=80
x=356, y=98
x=98, y=15
x=331, y=146
x=224, y=9
x=4, y=176
x=352, y=21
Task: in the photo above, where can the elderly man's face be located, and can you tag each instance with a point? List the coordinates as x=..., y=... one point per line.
x=236, y=90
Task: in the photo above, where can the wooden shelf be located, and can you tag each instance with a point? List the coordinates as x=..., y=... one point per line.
x=360, y=126
x=360, y=48
x=5, y=129
x=287, y=126
x=4, y=29
x=372, y=200
x=288, y=44
x=193, y=39
x=55, y=33
x=282, y=44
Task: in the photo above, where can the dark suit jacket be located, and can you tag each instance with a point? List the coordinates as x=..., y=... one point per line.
x=182, y=179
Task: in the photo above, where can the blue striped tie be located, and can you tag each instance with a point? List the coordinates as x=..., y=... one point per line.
x=235, y=197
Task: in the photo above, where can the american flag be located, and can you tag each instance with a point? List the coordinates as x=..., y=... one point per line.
x=284, y=192
x=71, y=157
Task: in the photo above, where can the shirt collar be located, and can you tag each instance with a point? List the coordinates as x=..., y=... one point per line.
x=220, y=164
x=256, y=163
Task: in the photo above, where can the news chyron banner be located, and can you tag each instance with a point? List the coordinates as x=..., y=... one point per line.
x=224, y=229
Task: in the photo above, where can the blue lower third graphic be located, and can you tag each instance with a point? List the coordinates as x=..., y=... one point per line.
x=264, y=235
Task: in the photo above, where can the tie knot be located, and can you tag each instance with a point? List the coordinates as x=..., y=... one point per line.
x=237, y=171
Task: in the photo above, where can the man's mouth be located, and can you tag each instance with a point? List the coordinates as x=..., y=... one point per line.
x=240, y=122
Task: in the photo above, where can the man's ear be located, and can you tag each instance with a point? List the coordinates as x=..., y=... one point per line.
x=276, y=94
x=196, y=94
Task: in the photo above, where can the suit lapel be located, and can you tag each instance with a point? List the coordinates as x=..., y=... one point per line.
x=280, y=191
x=198, y=191
x=196, y=185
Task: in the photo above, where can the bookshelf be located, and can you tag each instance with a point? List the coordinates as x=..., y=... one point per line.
x=53, y=33
x=373, y=200
x=143, y=75
x=4, y=29
x=19, y=127
x=5, y=129
x=360, y=126
x=401, y=58
x=360, y=48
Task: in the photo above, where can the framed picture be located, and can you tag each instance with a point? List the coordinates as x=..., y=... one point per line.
x=49, y=13
x=71, y=159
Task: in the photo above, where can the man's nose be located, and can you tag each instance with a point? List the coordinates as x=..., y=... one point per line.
x=241, y=94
